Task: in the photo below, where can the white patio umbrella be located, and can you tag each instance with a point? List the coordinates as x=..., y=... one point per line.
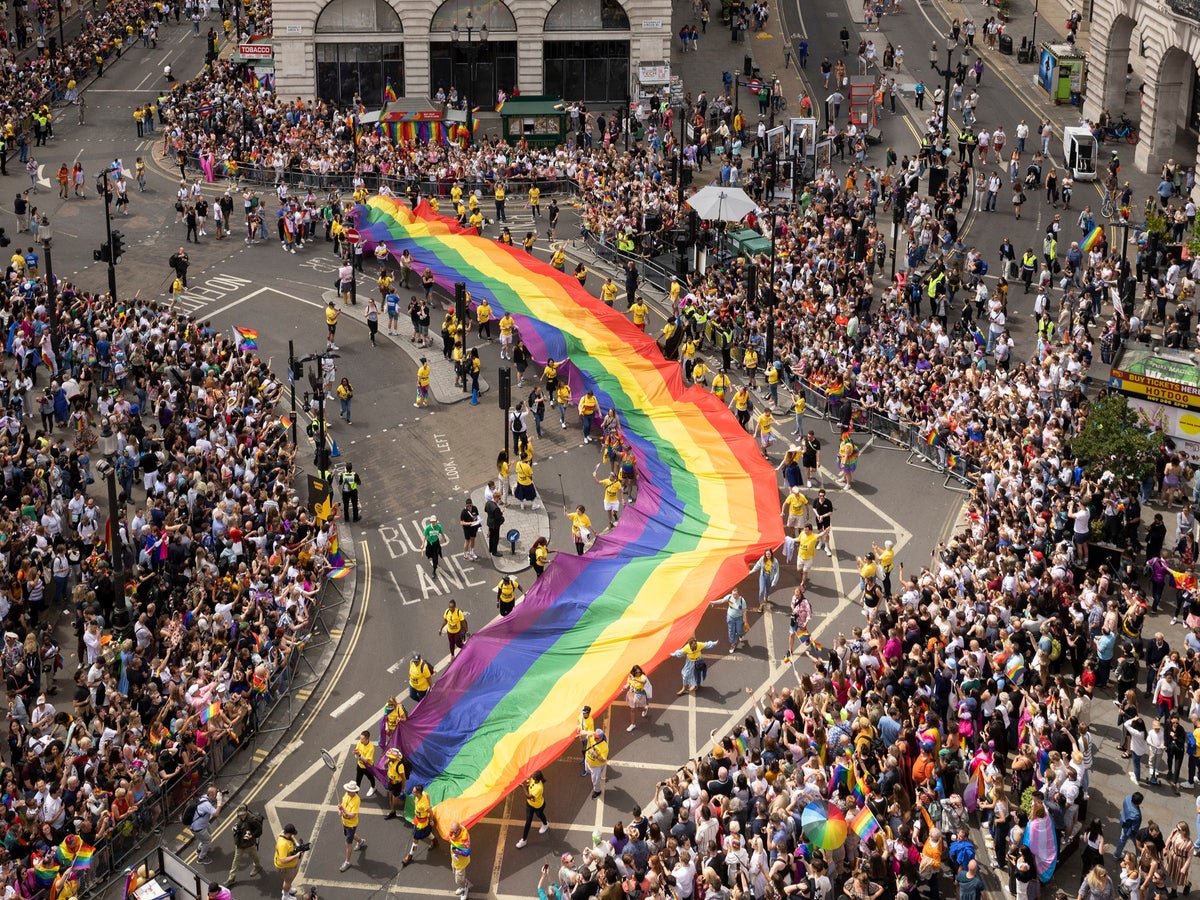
x=727, y=204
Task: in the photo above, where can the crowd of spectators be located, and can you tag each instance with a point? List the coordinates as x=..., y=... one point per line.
x=182, y=647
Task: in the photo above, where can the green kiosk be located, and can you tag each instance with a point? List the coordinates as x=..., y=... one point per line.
x=539, y=121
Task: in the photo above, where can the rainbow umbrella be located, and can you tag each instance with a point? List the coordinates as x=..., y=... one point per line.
x=824, y=825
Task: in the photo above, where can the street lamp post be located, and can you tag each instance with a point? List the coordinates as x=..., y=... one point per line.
x=47, y=235
x=951, y=46
x=108, y=234
x=62, y=44
x=1033, y=37
x=471, y=41
x=900, y=203
x=771, y=293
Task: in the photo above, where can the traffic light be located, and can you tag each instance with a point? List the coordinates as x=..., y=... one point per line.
x=460, y=303
x=118, y=246
x=505, y=388
x=102, y=255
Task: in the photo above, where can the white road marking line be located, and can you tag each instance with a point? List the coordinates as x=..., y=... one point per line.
x=394, y=667
x=358, y=695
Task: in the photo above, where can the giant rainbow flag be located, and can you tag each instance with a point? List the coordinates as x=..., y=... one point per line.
x=707, y=507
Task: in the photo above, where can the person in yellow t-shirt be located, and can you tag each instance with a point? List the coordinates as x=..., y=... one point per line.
x=423, y=383
x=741, y=405
x=868, y=570
x=535, y=805
x=397, y=775
x=287, y=855
x=588, y=405
x=506, y=594
x=331, y=319
x=764, y=428
x=348, y=810
x=581, y=274
x=535, y=201
x=595, y=758
x=806, y=552
x=364, y=758
x=475, y=220
x=460, y=857
x=887, y=561
x=483, y=312
x=525, y=489
x=637, y=694
x=721, y=384
x=454, y=624
x=700, y=373
x=639, y=311
x=559, y=260
x=750, y=364
x=421, y=823
x=612, y=495
x=420, y=678
x=795, y=510
x=608, y=292
x=507, y=326
x=581, y=527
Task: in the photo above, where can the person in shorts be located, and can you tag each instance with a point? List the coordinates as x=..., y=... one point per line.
x=806, y=552
x=348, y=810
x=421, y=823
x=396, y=776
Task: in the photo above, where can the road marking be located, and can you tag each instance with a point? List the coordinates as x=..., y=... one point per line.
x=358, y=695
x=395, y=667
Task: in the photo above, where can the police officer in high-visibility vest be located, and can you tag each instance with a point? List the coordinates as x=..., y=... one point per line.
x=1028, y=268
x=349, y=492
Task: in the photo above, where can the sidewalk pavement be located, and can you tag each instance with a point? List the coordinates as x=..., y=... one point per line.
x=442, y=384
x=527, y=524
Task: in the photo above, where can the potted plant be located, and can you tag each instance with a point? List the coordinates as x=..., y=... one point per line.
x=1004, y=9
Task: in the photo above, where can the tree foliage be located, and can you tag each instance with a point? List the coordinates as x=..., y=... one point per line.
x=1114, y=439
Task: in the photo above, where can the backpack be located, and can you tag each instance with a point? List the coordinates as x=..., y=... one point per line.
x=1055, y=650
x=189, y=812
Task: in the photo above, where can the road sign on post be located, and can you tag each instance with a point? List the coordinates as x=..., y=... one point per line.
x=352, y=235
x=754, y=86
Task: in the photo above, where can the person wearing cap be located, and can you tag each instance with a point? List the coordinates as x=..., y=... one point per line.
x=433, y=534
x=247, y=831
x=348, y=810
x=595, y=757
x=397, y=774
x=287, y=859
x=207, y=810
x=364, y=759
x=420, y=678
x=421, y=824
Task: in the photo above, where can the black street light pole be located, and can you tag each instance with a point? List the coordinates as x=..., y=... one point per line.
x=47, y=235
x=472, y=48
x=900, y=203
x=1033, y=37
x=951, y=46
x=108, y=234
x=61, y=42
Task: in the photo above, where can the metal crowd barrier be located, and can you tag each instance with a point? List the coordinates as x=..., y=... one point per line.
x=166, y=802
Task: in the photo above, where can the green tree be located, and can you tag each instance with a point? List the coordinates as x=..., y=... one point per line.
x=1114, y=439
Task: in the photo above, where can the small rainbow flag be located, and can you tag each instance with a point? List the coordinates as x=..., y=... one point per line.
x=247, y=338
x=1184, y=581
x=933, y=437
x=462, y=846
x=335, y=574
x=856, y=787
x=499, y=106
x=45, y=871
x=1094, y=237
x=389, y=92
x=1014, y=666
x=83, y=858
x=864, y=824
x=210, y=712
x=805, y=637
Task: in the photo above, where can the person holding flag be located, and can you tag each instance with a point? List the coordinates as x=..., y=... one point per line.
x=460, y=857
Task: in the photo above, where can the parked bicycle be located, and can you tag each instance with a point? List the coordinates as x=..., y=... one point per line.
x=1122, y=130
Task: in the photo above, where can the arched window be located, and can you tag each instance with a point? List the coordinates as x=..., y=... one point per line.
x=359, y=16
x=496, y=16
x=587, y=15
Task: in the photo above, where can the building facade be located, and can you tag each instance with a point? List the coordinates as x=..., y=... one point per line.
x=577, y=49
x=1166, y=37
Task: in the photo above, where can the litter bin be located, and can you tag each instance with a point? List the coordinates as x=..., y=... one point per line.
x=748, y=66
x=1006, y=44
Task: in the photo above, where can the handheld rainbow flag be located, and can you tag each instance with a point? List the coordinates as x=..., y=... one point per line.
x=1094, y=237
x=932, y=437
x=210, y=712
x=461, y=846
x=389, y=93
x=864, y=824
x=971, y=792
x=247, y=338
x=45, y=871
x=1184, y=581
